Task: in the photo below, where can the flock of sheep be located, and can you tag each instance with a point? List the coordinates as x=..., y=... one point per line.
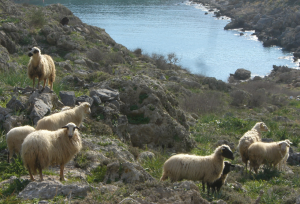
x=55, y=140
x=213, y=171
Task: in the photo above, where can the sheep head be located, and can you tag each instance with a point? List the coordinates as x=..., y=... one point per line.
x=226, y=152
x=34, y=51
x=261, y=126
x=283, y=145
x=71, y=127
x=86, y=106
x=227, y=166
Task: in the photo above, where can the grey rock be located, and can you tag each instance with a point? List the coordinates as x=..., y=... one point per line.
x=146, y=155
x=84, y=98
x=242, y=74
x=106, y=94
x=115, y=103
x=97, y=100
x=67, y=98
x=49, y=189
x=15, y=104
x=39, y=110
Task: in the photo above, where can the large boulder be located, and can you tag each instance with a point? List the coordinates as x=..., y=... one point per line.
x=242, y=74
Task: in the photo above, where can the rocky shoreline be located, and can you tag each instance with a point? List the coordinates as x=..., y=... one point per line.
x=274, y=23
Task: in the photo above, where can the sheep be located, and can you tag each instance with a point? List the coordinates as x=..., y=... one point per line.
x=205, y=168
x=43, y=148
x=57, y=120
x=217, y=184
x=251, y=136
x=42, y=67
x=282, y=163
x=15, y=138
x=267, y=153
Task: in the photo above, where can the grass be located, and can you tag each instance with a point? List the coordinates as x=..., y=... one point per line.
x=15, y=79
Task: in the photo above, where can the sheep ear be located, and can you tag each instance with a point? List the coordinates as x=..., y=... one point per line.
x=77, y=128
x=29, y=48
x=79, y=103
x=64, y=127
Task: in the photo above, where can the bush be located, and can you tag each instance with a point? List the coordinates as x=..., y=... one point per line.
x=95, y=55
x=203, y=103
x=37, y=18
x=160, y=61
x=138, y=52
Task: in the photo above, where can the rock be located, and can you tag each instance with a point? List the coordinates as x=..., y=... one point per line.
x=39, y=110
x=127, y=172
x=122, y=129
x=15, y=104
x=263, y=22
x=84, y=98
x=97, y=100
x=242, y=74
x=50, y=189
x=146, y=155
x=67, y=98
x=106, y=94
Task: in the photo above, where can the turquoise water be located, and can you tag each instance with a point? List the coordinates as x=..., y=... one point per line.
x=173, y=26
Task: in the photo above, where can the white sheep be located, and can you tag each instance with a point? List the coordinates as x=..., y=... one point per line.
x=15, y=138
x=43, y=148
x=251, y=136
x=192, y=167
x=282, y=163
x=41, y=66
x=217, y=184
x=267, y=153
x=57, y=120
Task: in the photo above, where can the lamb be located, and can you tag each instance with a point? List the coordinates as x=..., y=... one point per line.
x=205, y=168
x=282, y=163
x=217, y=184
x=251, y=136
x=43, y=148
x=267, y=153
x=57, y=120
x=42, y=67
x=15, y=138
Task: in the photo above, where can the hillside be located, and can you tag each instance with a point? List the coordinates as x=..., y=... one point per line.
x=144, y=108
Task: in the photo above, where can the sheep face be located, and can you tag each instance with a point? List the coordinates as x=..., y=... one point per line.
x=33, y=51
x=227, y=167
x=263, y=127
x=86, y=106
x=71, y=127
x=283, y=145
x=226, y=152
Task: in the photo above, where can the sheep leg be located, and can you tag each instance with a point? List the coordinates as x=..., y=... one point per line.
x=208, y=188
x=33, y=82
x=62, y=172
x=203, y=186
x=8, y=156
x=41, y=174
x=30, y=174
x=43, y=86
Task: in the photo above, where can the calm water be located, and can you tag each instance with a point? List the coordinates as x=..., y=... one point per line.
x=174, y=26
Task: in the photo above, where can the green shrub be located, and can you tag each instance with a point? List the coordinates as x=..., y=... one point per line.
x=37, y=18
x=138, y=119
x=98, y=174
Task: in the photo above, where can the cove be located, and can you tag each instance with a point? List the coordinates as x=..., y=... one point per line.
x=180, y=27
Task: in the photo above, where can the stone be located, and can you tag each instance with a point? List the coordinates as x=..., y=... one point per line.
x=242, y=74
x=146, y=155
x=15, y=104
x=39, y=110
x=50, y=189
x=106, y=94
x=67, y=98
x=97, y=100
x=84, y=98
